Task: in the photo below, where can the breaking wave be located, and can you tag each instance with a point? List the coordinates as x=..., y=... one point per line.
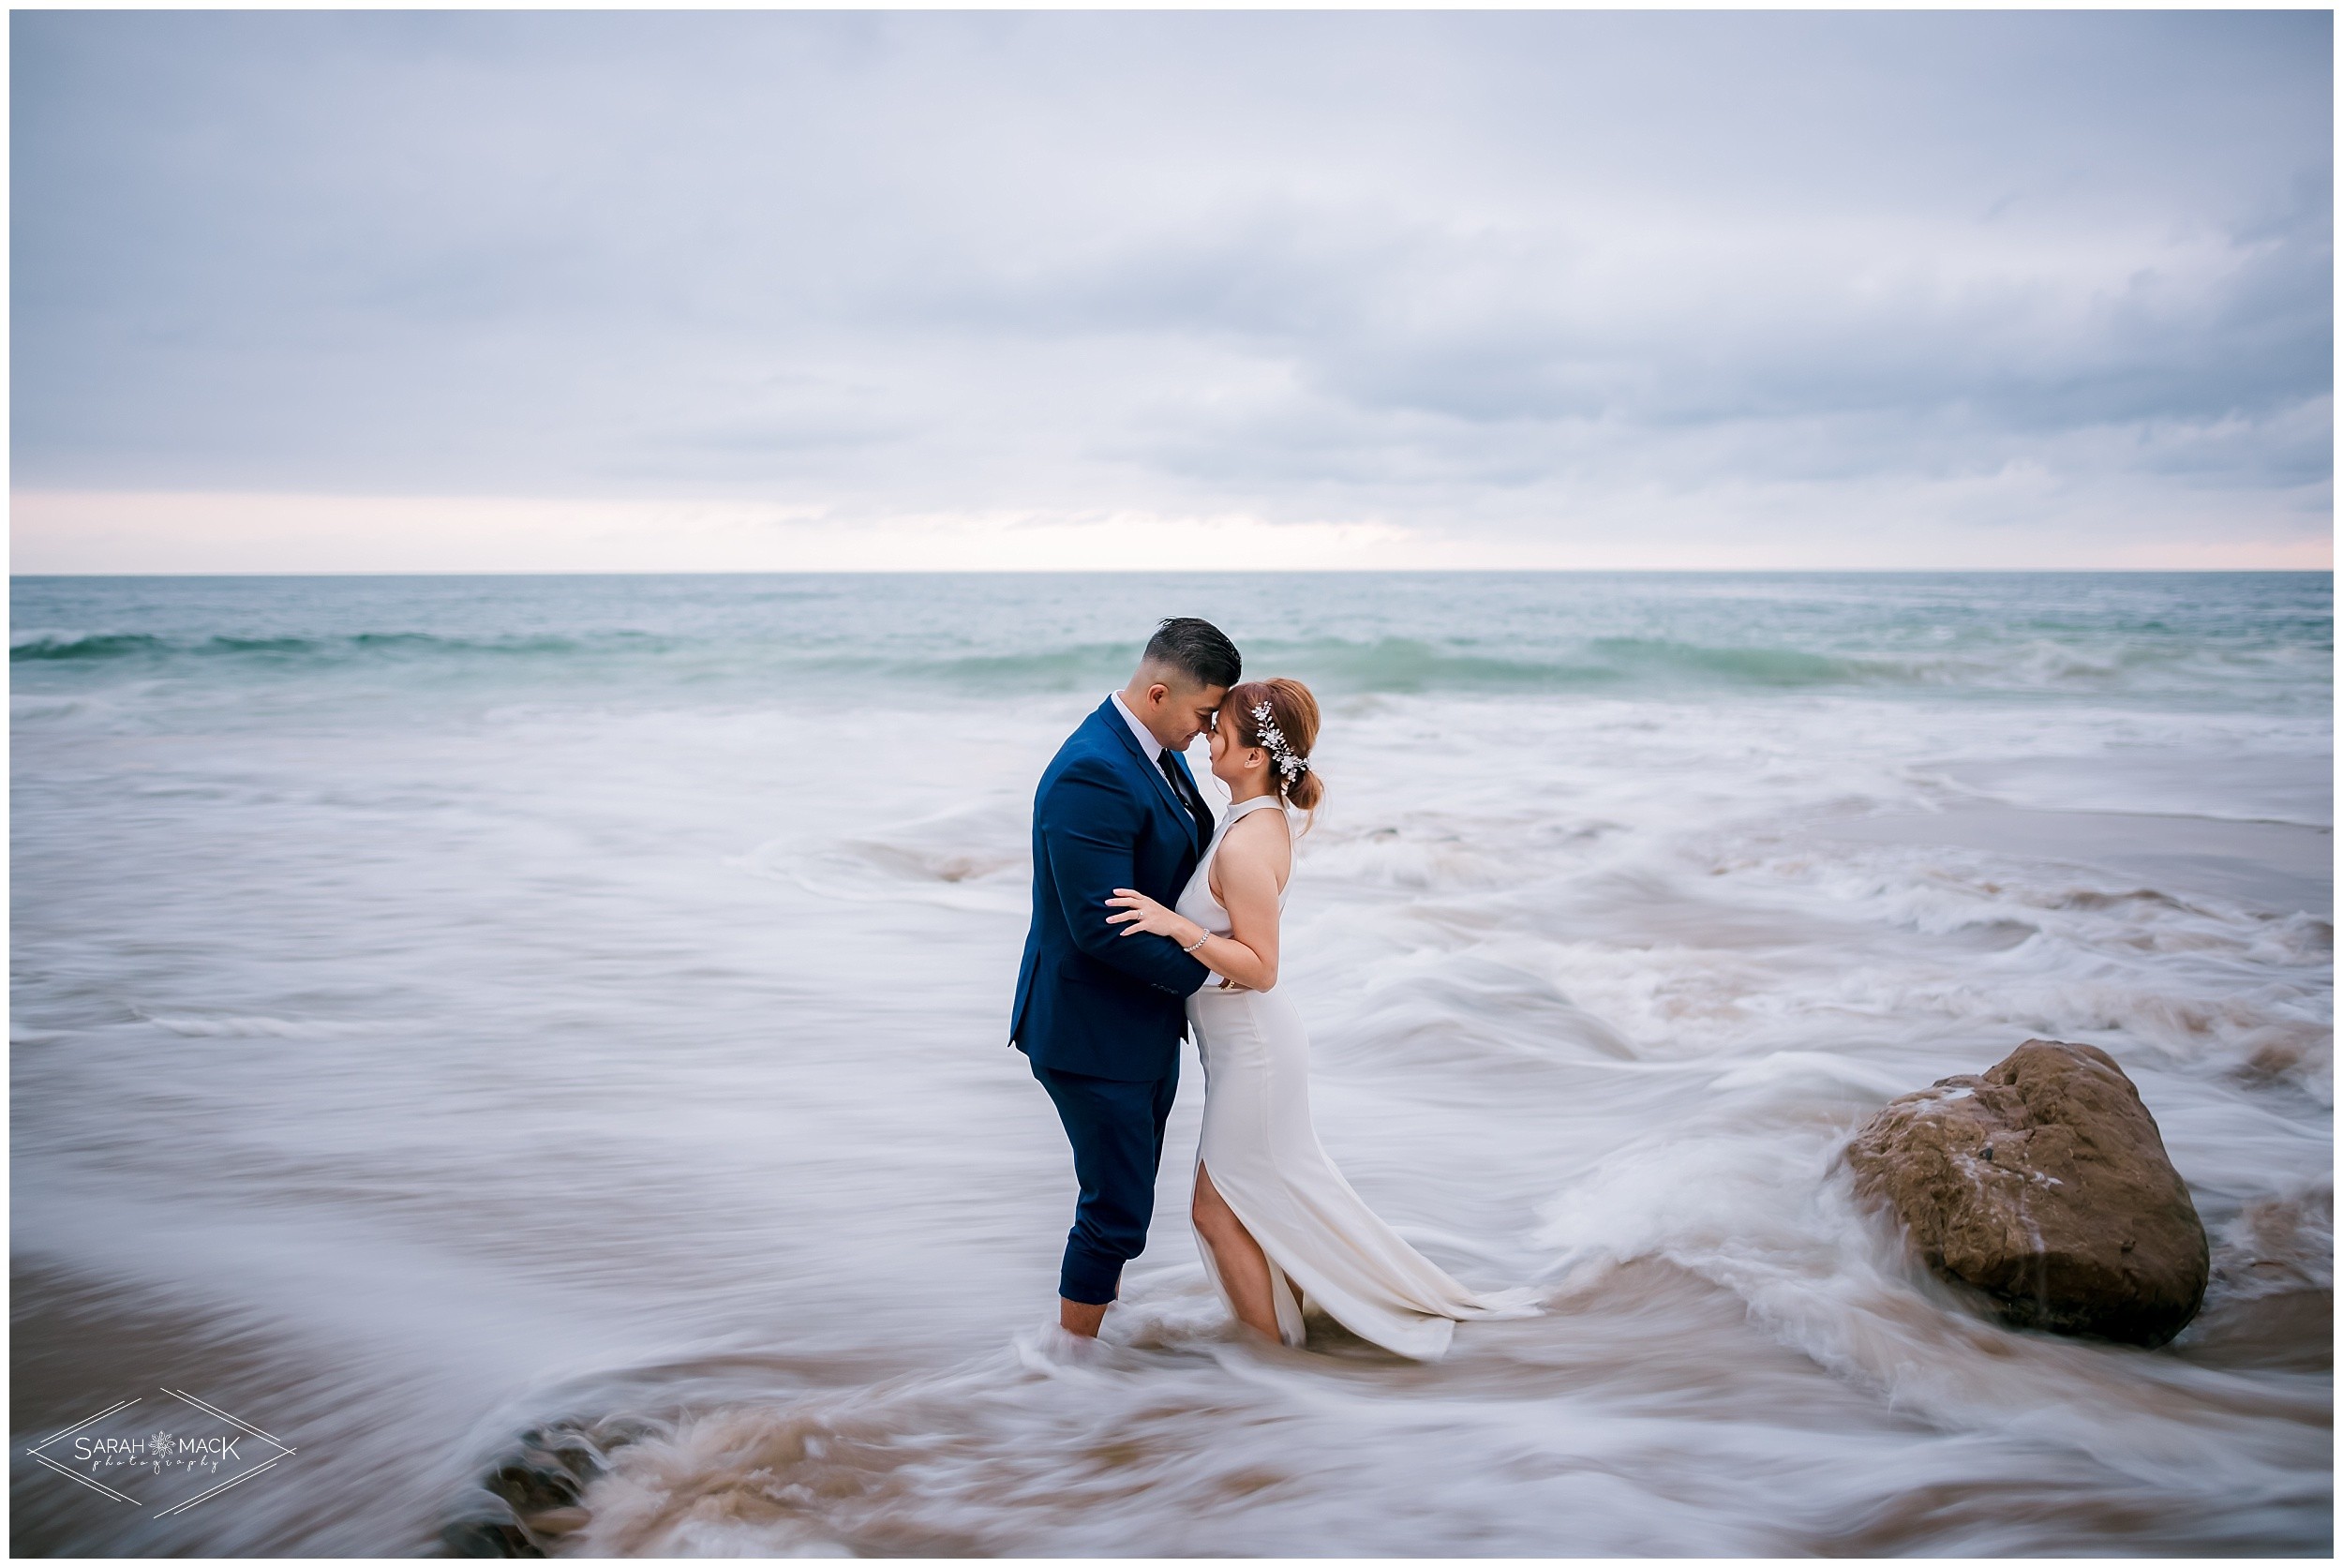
x=1594, y=666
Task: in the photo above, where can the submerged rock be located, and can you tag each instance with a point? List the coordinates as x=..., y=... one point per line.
x=485, y=1526
x=2043, y=1182
x=527, y=1496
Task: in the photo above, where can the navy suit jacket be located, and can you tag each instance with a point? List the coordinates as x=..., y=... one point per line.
x=1091, y=1000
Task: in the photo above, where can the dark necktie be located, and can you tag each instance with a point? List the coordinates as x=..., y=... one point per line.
x=1186, y=792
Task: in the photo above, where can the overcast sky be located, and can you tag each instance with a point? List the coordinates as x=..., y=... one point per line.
x=596, y=291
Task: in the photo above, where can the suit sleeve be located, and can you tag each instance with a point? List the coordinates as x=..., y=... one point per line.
x=1090, y=824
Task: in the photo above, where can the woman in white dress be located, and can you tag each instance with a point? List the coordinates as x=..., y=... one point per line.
x=1272, y=1213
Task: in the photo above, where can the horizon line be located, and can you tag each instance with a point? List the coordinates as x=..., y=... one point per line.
x=1255, y=572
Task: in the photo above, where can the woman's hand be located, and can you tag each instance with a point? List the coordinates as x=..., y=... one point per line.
x=1141, y=913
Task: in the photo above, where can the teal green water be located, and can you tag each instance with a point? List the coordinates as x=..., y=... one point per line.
x=2265, y=639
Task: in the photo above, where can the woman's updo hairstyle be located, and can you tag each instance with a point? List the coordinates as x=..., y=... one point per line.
x=1294, y=712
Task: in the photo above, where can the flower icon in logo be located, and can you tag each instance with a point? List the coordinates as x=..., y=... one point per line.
x=158, y=1446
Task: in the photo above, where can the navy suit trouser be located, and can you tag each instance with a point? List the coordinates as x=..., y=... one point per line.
x=1116, y=1128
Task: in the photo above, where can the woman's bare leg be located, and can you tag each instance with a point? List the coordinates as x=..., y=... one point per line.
x=1242, y=1266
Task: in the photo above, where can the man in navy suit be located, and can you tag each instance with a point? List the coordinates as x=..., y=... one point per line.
x=1101, y=1015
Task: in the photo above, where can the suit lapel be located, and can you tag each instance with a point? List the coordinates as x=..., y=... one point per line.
x=1112, y=717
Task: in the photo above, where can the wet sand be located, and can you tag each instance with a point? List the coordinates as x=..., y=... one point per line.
x=356, y=1486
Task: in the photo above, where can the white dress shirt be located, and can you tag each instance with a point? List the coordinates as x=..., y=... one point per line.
x=1149, y=746
x=1152, y=749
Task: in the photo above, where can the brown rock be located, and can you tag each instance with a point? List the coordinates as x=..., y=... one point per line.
x=2043, y=1182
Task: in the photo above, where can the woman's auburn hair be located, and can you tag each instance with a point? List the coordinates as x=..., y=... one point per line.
x=1295, y=711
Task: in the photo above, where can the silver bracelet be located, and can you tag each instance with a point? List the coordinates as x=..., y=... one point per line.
x=1200, y=942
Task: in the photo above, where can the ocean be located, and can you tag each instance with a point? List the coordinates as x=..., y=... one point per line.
x=446, y=1009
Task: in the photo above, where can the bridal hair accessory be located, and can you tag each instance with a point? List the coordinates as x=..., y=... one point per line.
x=1290, y=766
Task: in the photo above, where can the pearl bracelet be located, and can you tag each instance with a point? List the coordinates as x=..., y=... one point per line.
x=1198, y=942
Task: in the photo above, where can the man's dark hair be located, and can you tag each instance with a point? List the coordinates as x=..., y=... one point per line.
x=1197, y=650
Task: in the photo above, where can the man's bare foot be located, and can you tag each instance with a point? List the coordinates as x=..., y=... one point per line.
x=1080, y=1316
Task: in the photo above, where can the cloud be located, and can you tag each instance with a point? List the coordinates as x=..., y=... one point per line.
x=1514, y=282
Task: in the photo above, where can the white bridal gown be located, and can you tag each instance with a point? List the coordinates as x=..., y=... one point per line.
x=1265, y=1160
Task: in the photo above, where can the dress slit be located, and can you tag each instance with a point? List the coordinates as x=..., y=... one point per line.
x=1288, y=1311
